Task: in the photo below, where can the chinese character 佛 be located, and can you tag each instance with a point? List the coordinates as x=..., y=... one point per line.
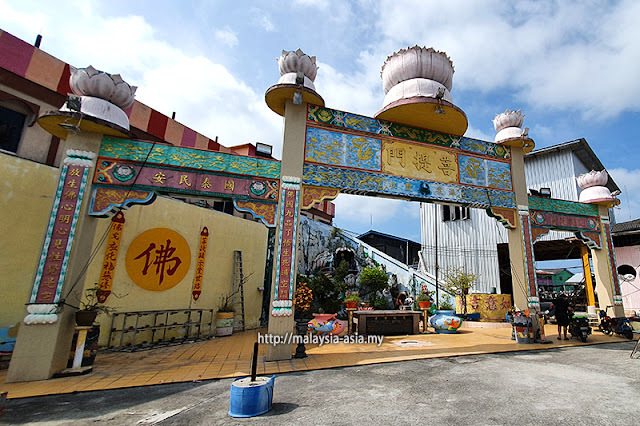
x=162, y=259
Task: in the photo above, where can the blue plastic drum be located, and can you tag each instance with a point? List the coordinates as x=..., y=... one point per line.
x=249, y=398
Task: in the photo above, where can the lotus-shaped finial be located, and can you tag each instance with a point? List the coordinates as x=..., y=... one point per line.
x=298, y=61
x=417, y=62
x=593, y=178
x=508, y=119
x=99, y=84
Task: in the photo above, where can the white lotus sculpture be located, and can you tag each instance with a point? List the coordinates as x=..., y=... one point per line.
x=99, y=84
x=417, y=72
x=593, y=188
x=102, y=95
x=509, y=125
x=291, y=63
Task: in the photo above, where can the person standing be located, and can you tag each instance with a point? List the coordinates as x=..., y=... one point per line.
x=561, y=305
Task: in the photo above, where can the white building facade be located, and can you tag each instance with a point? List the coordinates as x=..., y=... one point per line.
x=469, y=238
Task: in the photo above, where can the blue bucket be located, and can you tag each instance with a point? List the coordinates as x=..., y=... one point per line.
x=249, y=400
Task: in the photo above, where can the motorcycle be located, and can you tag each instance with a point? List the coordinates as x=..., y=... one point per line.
x=621, y=325
x=579, y=327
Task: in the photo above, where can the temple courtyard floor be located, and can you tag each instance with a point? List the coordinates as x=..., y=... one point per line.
x=228, y=357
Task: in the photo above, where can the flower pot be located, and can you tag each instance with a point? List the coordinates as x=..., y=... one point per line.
x=86, y=318
x=445, y=321
x=424, y=303
x=325, y=324
x=224, y=323
x=351, y=305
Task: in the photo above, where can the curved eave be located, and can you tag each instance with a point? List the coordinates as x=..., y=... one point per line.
x=527, y=144
x=51, y=123
x=420, y=111
x=277, y=95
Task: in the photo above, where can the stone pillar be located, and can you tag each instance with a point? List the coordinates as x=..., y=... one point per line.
x=289, y=98
x=595, y=191
x=44, y=340
x=291, y=171
x=523, y=273
x=96, y=109
x=605, y=269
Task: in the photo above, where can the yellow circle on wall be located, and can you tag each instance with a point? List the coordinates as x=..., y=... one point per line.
x=158, y=259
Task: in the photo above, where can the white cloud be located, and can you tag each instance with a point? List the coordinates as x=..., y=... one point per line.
x=32, y=22
x=478, y=134
x=226, y=36
x=265, y=23
x=366, y=209
x=563, y=55
x=204, y=95
x=321, y=5
x=629, y=183
x=355, y=92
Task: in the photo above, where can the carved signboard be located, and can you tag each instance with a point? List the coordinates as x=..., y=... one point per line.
x=367, y=156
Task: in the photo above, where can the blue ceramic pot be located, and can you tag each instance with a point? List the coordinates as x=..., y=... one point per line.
x=445, y=321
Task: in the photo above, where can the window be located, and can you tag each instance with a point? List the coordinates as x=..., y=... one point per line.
x=11, y=127
x=450, y=213
x=626, y=273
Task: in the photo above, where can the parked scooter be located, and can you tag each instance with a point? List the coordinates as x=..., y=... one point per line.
x=620, y=325
x=579, y=327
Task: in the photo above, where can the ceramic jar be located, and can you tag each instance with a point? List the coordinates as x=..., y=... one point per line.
x=444, y=321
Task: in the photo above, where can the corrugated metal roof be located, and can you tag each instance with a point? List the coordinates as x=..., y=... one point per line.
x=583, y=151
x=623, y=227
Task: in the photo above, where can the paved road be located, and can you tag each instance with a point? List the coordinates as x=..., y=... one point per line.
x=589, y=385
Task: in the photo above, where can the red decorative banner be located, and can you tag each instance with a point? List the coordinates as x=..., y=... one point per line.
x=202, y=252
x=612, y=262
x=287, y=236
x=57, y=247
x=530, y=270
x=110, y=257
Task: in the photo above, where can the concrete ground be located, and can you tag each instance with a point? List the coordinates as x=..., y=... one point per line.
x=228, y=357
x=579, y=385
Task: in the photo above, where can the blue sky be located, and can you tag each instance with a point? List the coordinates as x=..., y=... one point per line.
x=572, y=67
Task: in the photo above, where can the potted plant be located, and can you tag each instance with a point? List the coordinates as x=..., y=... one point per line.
x=425, y=299
x=445, y=304
x=302, y=303
x=302, y=300
x=458, y=282
x=224, y=316
x=373, y=282
x=90, y=306
x=351, y=301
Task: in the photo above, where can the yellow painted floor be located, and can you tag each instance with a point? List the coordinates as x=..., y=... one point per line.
x=226, y=357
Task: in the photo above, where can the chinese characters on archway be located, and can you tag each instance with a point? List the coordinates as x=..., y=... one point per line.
x=408, y=160
x=53, y=262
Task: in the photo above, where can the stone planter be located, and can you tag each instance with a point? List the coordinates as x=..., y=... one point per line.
x=445, y=321
x=302, y=327
x=224, y=323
